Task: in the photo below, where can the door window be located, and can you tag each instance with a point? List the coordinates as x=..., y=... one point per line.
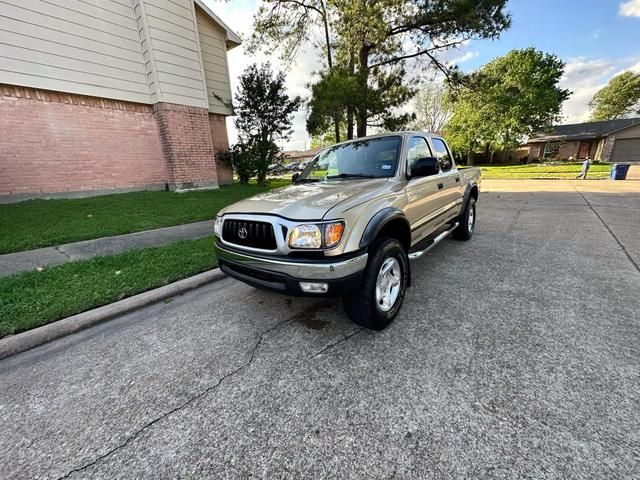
x=442, y=154
x=416, y=149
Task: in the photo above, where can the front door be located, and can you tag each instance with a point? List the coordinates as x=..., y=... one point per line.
x=423, y=193
x=584, y=150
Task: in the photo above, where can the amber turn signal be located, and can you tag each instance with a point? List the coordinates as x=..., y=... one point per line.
x=333, y=234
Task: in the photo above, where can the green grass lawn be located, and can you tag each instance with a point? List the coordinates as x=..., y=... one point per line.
x=559, y=171
x=32, y=299
x=41, y=223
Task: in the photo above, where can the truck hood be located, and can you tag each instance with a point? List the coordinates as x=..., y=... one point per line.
x=306, y=201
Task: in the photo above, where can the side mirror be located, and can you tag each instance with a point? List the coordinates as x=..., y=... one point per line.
x=424, y=167
x=294, y=177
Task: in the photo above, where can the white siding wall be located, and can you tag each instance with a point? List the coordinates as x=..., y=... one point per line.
x=173, y=38
x=214, y=60
x=88, y=47
x=145, y=51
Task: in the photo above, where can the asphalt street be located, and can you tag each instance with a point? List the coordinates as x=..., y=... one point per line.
x=516, y=355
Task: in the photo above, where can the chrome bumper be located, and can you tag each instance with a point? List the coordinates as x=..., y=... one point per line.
x=312, y=270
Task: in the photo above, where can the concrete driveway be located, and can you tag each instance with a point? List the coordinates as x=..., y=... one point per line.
x=516, y=355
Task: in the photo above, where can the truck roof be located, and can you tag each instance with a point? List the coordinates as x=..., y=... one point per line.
x=403, y=133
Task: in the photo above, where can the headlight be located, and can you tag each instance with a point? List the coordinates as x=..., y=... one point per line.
x=305, y=236
x=217, y=227
x=311, y=236
x=333, y=234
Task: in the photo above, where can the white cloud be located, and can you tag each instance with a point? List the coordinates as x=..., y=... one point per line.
x=462, y=58
x=584, y=77
x=631, y=8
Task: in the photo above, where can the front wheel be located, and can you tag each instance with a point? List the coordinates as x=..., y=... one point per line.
x=467, y=220
x=384, y=283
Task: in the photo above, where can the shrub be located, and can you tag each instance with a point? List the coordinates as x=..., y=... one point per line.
x=243, y=161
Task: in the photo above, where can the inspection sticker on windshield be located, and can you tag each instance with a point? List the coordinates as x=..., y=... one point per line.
x=385, y=167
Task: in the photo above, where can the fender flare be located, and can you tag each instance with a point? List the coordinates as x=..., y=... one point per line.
x=467, y=193
x=377, y=223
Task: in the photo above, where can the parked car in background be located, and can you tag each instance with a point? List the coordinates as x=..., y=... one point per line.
x=292, y=167
x=302, y=166
x=276, y=169
x=351, y=222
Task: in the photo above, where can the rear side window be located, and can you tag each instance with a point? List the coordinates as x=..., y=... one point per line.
x=442, y=154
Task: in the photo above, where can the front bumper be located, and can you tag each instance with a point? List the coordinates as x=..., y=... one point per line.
x=285, y=275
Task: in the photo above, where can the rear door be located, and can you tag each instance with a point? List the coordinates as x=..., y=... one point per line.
x=450, y=184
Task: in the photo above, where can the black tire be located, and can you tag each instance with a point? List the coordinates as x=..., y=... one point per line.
x=361, y=305
x=465, y=229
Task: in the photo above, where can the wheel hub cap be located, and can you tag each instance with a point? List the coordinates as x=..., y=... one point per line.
x=471, y=219
x=388, y=284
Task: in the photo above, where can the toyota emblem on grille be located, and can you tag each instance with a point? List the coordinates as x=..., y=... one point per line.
x=242, y=233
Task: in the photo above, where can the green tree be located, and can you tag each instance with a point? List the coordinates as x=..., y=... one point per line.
x=330, y=96
x=506, y=100
x=619, y=98
x=264, y=114
x=288, y=23
x=373, y=41
x=325, y=139
x=386, y=34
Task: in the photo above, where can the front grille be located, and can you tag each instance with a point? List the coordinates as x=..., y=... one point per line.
x=258, y=234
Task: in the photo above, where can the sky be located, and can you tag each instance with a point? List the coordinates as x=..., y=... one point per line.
x=597, y=39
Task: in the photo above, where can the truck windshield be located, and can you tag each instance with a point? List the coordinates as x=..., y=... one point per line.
x=370, y=158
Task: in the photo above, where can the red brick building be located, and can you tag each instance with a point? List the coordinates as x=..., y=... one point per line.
x=107, y=96
x=606, y=141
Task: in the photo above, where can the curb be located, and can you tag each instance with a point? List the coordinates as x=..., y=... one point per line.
x=24, y=341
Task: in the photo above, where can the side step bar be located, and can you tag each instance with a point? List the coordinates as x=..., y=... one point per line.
x=435, y=241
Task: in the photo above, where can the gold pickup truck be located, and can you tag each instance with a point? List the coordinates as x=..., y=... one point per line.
x=351, y=222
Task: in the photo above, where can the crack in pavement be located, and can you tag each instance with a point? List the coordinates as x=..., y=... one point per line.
x=209, y=389
x=331, y=345
x=633, y=262
x=183, y=404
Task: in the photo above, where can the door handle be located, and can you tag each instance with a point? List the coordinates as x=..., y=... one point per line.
x=440, y=186
x=457, y=179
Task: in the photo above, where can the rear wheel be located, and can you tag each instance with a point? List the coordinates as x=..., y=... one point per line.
x=467, y=220
x=384, y=283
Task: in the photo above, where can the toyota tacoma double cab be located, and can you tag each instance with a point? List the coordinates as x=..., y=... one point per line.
x=350, y=223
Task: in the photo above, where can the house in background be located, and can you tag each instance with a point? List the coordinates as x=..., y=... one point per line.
x=112, y=95
x=607, y=141
x=289, y=156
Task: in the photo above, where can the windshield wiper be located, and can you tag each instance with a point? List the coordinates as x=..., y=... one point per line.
x=350, y=175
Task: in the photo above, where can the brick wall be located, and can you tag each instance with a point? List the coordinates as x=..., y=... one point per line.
x=55, y=142
x=568, y=150
x=565, y=150
x=607, y=148
x=220, y=139
x=536, y=151
x=187, y=146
